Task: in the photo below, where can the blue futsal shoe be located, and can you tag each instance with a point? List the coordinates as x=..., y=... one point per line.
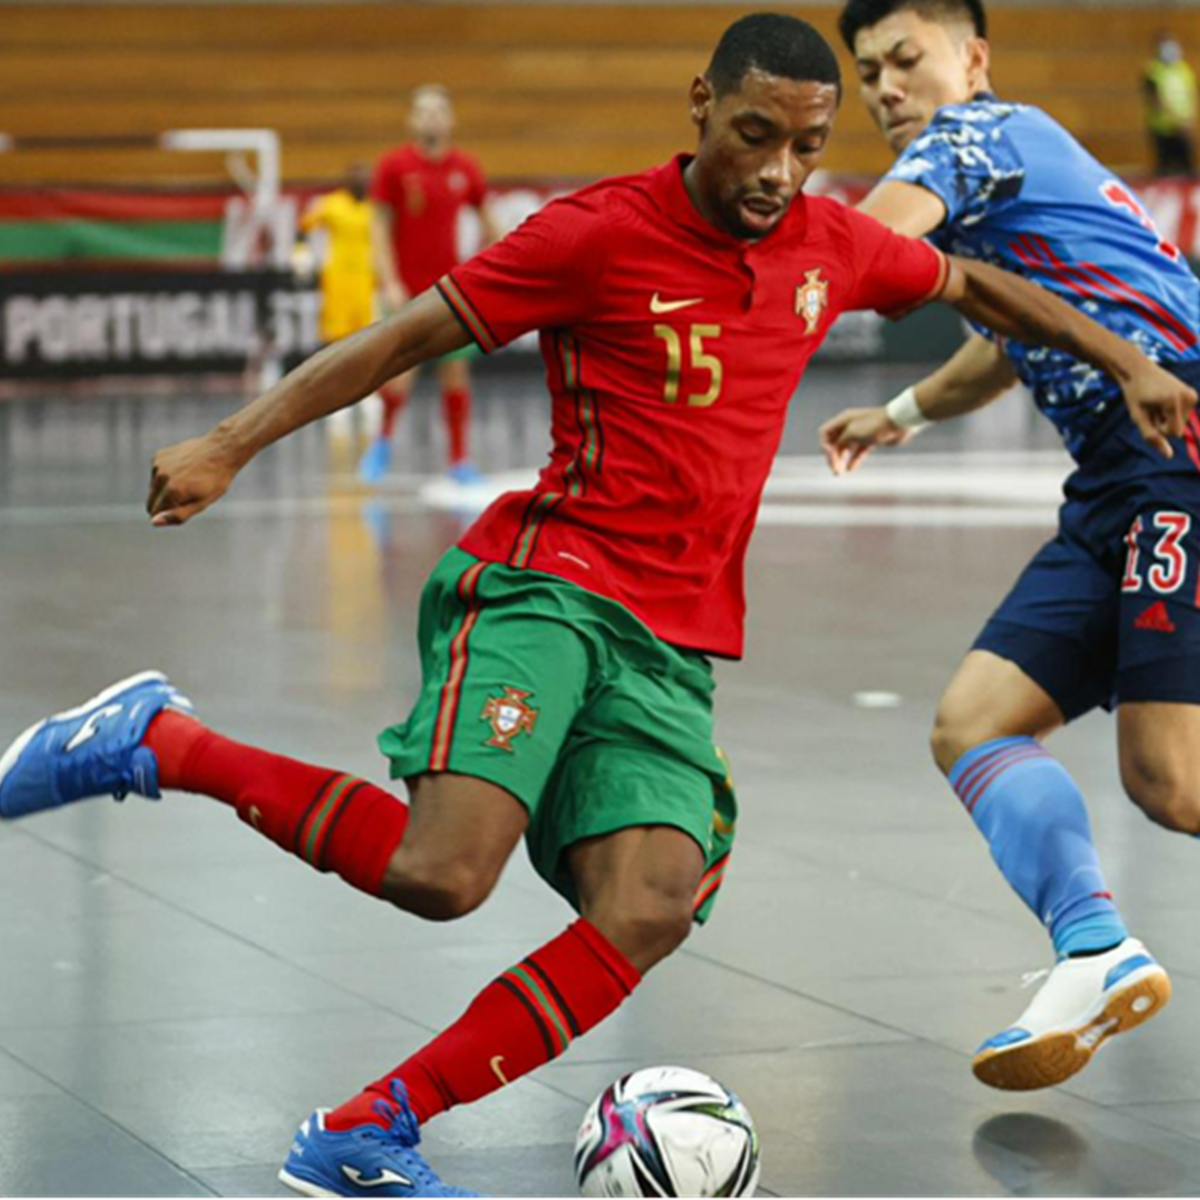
x=465, y=473
x=93, y=750
x=367, y=1160
x=376, y=461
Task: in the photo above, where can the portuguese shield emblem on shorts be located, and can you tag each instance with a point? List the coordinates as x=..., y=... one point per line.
x=811, y=298
x=508, y=716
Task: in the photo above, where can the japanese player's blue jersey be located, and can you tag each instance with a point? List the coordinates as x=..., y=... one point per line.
x=1023, y=194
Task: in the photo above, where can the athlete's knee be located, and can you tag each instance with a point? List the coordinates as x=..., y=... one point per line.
x=1170, y=798
x=645, y=926
x=953, y=734
x=439, y=890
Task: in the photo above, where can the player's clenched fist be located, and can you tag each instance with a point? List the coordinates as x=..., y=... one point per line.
x=850, y=436
x=186, y=478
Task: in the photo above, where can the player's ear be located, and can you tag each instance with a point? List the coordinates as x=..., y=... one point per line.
x=979, y=56
x=700, y=100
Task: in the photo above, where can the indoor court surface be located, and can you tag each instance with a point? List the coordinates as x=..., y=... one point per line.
x=177, y=994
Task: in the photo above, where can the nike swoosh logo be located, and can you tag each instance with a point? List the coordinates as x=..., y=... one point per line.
x=88, y=729
x=384, y=1177
x=495, y=1065
x=658, y=305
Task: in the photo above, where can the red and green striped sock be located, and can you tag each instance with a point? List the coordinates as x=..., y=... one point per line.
x=527, y=1017
x=331, y=820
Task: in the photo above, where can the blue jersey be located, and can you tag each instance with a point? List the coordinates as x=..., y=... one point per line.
x=1023, y=194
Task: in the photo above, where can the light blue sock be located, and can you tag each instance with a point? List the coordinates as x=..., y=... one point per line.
x=1032, y=814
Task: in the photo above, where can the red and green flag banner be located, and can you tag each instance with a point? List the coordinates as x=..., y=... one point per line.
x=53, y=227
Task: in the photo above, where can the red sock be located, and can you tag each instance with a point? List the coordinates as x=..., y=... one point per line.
x=394, y=399
x=525, y=1018
x=456, y=410
x=333, y=821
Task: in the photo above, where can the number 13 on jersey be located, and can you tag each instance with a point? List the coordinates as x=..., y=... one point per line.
x=699, y=359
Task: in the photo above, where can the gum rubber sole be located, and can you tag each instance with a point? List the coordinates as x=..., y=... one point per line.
x=1049, y=1060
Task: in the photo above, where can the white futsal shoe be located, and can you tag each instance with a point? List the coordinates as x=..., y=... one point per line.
x=1083, y=1003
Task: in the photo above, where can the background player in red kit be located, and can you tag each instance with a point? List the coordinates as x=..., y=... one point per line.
x=567, y=693
x=419, y=190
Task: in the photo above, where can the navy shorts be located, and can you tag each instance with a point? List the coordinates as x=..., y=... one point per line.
x=1109, y=611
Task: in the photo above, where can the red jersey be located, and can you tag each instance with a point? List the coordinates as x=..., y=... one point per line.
x=425, y=196
x=672, y=351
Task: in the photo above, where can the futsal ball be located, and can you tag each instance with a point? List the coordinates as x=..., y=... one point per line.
x=666, y=1131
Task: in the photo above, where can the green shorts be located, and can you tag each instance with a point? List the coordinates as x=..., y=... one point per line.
x=565, y=699
x=462, y=354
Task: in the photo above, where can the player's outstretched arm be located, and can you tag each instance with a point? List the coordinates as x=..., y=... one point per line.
x=188, y=477
x=1159, y=403
x=973, y=377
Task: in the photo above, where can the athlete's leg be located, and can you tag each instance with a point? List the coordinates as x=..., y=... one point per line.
x=637, y=888
x=395, y=394
x=378, y=456
x=1047, y=656
x=989, y=697
x=455, y=378
x=439, y=858
x=986, y=741
x=1159, y=748
x=461, y=834
x=617, y=828
x=1158, y=680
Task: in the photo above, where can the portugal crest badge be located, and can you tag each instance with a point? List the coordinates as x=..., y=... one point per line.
x=508, y=716
x=812, y=296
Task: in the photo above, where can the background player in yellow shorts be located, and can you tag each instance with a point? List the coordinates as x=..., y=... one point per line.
x=348, y=280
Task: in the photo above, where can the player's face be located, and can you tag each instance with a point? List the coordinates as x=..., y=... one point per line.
x=431, y=118
x=758, y=146
x=358, y=180
x=909, y=67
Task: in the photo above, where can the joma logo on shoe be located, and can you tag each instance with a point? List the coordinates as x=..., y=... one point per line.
x=88, y=729
x=384, y=1177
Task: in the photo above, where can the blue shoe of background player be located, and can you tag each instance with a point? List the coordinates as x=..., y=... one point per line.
x=465, y=473
x=376, y=461
x=93, y=750
x=367, y=1160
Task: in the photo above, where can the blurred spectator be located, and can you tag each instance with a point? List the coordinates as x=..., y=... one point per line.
x=1169, y=89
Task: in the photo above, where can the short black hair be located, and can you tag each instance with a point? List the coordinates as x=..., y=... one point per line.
x=862, y=14
x=775, y=44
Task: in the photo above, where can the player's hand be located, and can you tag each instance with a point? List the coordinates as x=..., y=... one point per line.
x=186, y=478
x=850, y=436
x=1159, y=405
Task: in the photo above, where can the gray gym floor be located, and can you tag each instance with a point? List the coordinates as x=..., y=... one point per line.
x=177, y=994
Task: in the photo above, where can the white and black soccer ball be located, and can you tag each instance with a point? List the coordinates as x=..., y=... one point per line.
x=667, y=1131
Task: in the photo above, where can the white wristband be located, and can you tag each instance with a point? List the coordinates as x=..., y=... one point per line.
x=905, y=412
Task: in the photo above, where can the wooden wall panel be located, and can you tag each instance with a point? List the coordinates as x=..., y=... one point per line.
x=567, y=91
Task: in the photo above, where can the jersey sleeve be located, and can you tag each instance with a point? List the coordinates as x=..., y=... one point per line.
x=968, y=160
x=893, y=274
x=543, y=275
